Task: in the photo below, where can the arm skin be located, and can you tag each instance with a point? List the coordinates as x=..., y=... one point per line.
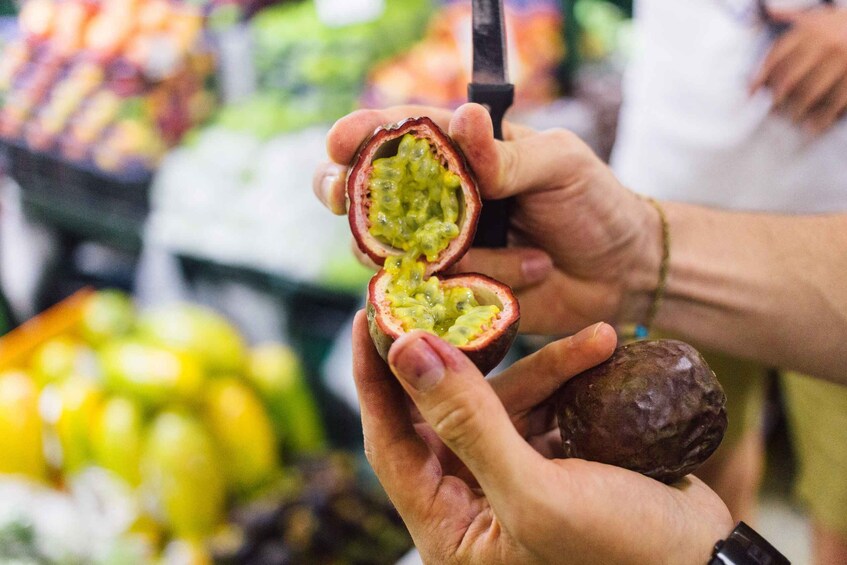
x=765, y=287
x=771, y=288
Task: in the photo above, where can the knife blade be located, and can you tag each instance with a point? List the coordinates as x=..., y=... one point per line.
x=490, y=87
x=490, y=64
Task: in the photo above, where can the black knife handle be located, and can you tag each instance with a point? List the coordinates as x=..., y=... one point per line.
x=494, y=219
x=497, y=98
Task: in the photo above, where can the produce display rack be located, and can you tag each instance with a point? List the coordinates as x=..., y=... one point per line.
x=78, y=199
x=313, y=317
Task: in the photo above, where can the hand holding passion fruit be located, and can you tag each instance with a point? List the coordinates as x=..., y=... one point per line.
x=472, y=471
x=584, y=248
x=554, y=220
x=413, y=206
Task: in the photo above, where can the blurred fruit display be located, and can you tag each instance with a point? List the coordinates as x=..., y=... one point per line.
x=111, y=84
x=606, y=29
x=308, y=72
x=238, y=186
x=169, y=415
x=226, y=12
x=231, y=197
x=436, y=71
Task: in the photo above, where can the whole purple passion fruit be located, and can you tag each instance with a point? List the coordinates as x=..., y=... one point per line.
x=413, y=209
x=654, y=407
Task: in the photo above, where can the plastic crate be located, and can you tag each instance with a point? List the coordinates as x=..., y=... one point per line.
x=80, y=199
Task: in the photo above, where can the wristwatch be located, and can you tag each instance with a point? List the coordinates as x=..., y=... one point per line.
x=745, y=547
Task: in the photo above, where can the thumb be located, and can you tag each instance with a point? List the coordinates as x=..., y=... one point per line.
x=465, y=412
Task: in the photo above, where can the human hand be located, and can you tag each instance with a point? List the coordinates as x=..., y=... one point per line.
x=582, y=247
x=807, y=67
x=460, y=465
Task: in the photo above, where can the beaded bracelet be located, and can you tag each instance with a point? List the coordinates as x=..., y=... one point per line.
x=643, y=330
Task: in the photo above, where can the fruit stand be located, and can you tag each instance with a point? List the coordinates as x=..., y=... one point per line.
x=205, y=445
x=190, y=131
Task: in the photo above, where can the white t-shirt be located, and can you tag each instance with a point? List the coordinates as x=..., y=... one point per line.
x=691, y=132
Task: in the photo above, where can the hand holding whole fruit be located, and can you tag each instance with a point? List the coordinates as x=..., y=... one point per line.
x=493, y=452
x=475, y=460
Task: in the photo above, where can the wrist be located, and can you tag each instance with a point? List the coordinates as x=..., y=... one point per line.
x=644, y=276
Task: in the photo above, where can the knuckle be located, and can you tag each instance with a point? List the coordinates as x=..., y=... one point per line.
x=509, y=165
x=562, y=137
x=572, y=147
x=459, y=420
x=555, y=355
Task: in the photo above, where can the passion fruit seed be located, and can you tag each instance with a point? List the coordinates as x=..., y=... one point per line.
x=414, y=200
x=452, y=313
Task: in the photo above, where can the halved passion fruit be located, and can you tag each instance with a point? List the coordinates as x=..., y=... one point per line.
x=411, y=189
x=414, y=206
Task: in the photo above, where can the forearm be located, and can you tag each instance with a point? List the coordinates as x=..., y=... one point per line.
x=765, y=287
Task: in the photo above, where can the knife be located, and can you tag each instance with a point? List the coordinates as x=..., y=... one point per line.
x=490, y=87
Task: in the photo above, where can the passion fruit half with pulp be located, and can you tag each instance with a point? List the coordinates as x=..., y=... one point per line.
x=410, y=188
x=413, y=208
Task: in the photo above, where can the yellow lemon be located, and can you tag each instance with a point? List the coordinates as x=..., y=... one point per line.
x=277, y=374
x=107, y=315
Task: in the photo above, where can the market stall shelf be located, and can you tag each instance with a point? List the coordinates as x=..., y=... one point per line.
x=78, y=200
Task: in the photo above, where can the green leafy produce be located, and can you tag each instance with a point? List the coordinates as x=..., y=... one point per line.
x=309, y=73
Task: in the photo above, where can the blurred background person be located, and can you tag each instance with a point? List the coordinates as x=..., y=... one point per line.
x=739, y=104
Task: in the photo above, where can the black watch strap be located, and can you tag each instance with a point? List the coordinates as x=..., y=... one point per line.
x=745, y=547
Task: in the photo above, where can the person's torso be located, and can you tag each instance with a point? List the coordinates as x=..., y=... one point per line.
x=691, y=131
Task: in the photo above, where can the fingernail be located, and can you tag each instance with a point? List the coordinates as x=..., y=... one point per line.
x=419, y=365
x=587, y=334
x=536, y=268
x=328, y=193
